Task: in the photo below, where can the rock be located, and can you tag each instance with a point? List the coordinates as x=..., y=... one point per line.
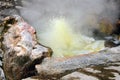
x=111, y=42
x=60, y=67
x=108, y=71
x=2, y=75
x=8, y=8
x=29, y=79
x=21, y=49
x=78, y=76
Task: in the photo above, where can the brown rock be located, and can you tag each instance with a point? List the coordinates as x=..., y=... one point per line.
x=22, y=51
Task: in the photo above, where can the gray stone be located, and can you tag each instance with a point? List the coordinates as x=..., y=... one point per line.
x=21, y=49
x=78, y=76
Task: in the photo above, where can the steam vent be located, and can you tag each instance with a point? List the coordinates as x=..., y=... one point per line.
x=59, y=40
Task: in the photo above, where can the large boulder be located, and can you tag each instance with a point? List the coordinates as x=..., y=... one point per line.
x=21, y=49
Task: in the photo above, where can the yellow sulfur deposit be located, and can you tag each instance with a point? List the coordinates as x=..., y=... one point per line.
x=65, y=42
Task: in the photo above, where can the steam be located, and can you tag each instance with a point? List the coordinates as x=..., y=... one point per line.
x=65, y=42
x=83, y=15
x=60, y=23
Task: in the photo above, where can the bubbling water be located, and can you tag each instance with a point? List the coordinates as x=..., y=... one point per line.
x=65, y=42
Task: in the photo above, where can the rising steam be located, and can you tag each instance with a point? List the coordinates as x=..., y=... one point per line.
x=65, y=42
x=60, y=23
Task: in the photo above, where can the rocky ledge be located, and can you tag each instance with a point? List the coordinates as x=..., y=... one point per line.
x=24, y=56
x=21, y=49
